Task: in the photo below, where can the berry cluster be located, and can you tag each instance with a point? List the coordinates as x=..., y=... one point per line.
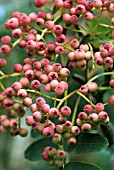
x=90, y=118
x=105, y=56
x=42, y=73
x=54, y=157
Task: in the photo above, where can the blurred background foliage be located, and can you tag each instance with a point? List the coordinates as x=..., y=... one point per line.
x=12, y=148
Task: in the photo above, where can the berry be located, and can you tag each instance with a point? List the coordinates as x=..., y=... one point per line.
x=40, y=101
x=6, y=39
x=23, y=132
x=39, y=3
x=99, y=107
x=56, y=138
x=92, y=86
x=61, y=154
x=86, y=127
x=53, y=112
x=48, y=132
x=45, y=108
x=75, y=130
x=59, y=90
x=65, y=111
x=27, y=102
x=71, y=141
x=37, y=116
x=112, y=99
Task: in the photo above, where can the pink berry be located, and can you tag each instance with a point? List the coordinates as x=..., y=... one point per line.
x=40, y=21
x=58, y=29
x=67, y=125
x=6, y=39
x=112, y=99
x=65, y=111
x=57, y=67
x=52, y=76
x=24, y=82
x=18, y=68
x=102, y=115
x=88, y=16
x=39, y=3
x=56, y=138
x=35, y=84
x=59, y=128
x=45, y=108
x=80, y=9
x=54, y=84
x=53, y=112
x=58, y=3
x=49, y=25
x=71, y=141
x=59, y=90
x=47, y=87
x=33, y=16
x=61, y=154
x=22, y=44
x=97, y=3
x=73, y=19
x=5, y=50
x=29, y=120
x=37, y=116
x=40, y=101
x=94, y=117
x=92, y=86
x=59, y=50
x=87, y=108
x=22, y=93
x=75, y=130
x=60, y=38
x=86, y=127
x=83, y=89
x=44, y=79
x=112, y=83
x=3, y=62
x=9, y=91
x=79, y=54
x=48, y=132
x=29, y=74
x=82, y=116
x=48, y=68
x=99, y=107
x=74, y=43
x=17, y=33
x=13, y=123
x=27, y=102
x=64, y=72
x=5, y=123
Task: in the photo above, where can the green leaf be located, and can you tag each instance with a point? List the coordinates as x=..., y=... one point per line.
x=107, y=95
x=64, y=60
x=68, y=24
x=55, y=9
x=49, y=37
x=96, y=158
x=48, y=10
x=86, y=39
x=34, y=151
x=88, y=142
x=80, y=166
